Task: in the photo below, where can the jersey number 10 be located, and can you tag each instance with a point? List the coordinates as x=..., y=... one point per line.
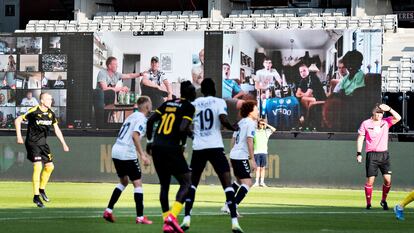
x=167, y=122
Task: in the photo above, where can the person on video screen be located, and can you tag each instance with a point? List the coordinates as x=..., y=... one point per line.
x=355, y=79
x=156, y=78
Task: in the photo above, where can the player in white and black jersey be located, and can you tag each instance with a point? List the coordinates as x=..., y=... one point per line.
x=124, y=156
x=242, y=149
x=210, y=114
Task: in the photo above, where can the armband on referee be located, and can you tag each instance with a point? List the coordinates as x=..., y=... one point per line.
x=358, y=153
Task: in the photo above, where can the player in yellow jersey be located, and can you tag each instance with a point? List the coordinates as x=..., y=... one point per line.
x=40, y=120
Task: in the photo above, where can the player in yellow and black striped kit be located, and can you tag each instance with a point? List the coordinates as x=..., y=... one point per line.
x=40, y=119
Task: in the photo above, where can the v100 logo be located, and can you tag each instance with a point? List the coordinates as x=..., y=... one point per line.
x=282, y=111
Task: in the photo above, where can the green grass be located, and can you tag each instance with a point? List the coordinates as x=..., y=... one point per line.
x=78, y=207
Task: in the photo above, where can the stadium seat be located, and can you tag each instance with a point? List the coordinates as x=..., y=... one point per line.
x=30, y=28
x=115, y=26
x=294, y=22
x=197, y=14
x=390, y=22
x=260, y=23
x=40, y=27
x=330, y=22
x=341, y=22
x=283, y=23
x=158, y=26
x=353, y=22
x=342, y=11
x=257, y=14
x=272, y=23
x=406, y=80
x=226, y=24
x=60, y=27
x=317, y=23
x=203, y=24
x=133, y=13
x=306, y=22
x=83, y=27
x=364, y=22
x=393, y=79
x=50, y=27
x=214, y=25
x=105, y=26
x=147, y=26
x=137, y=26
x=192, y=26
x=126, y=26
x=245, y=14
x=268, y=13
x=235, y=13
x=180, y=25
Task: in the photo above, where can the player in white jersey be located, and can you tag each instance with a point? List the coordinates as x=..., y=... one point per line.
x=210, y=114
x=124, y=156
x=242, y=149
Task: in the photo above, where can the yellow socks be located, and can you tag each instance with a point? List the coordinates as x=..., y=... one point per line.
x=37, y=169
x=408, y=199
x=176, y=208
x=165, y=214
x=47, y=171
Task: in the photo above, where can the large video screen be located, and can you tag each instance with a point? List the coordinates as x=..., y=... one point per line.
x=55, y=63
x=127, y=65
x=28, y=67
x=313, y=80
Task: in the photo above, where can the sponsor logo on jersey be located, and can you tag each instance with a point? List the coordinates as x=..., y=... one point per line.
x=44, y=122
x=175, y=104
x=171, y=109
x=282, y=111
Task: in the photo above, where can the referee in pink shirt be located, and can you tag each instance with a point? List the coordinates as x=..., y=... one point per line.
x=375, y=132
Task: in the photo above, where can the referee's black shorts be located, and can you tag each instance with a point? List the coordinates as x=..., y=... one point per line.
x=169, y=161
x=38, y=153
x=199, y=159
x=377, y=160
x=128, y=168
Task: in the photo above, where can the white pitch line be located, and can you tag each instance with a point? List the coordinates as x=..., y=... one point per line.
x=202, y=214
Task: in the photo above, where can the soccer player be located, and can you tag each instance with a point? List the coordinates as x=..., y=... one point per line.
x=175, y=118
x=40, y=119
x=375, y=132
x=210, y=113
x=399, y=209
x=124, y=156
x=261, y=138
x=242, y=149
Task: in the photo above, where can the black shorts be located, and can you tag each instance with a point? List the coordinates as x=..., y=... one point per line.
x=241, y=168
x=39, y=153
x=377, y=160
x=261, y=160
x=169, y=161
x=128, y=168
x=217, y=158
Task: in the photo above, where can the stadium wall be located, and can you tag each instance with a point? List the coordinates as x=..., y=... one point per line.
x=292, y=163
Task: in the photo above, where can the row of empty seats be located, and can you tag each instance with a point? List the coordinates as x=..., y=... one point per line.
x=399, y=77
x=288, y=12
x=387, y=22
x=149, y=15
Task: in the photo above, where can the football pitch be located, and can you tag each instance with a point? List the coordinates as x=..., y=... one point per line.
x=78, y=207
